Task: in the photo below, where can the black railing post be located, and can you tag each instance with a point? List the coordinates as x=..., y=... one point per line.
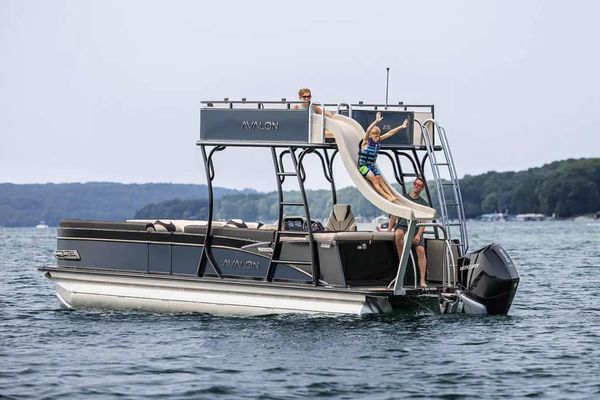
x=210, y=175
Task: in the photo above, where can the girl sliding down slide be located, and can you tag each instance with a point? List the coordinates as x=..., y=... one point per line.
x=367, y=156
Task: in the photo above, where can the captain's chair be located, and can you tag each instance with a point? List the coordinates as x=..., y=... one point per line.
x=341, y=219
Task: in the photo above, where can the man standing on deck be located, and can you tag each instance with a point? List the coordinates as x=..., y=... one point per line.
x=400, y=226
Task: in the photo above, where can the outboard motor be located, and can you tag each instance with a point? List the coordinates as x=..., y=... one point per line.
x=489, y=277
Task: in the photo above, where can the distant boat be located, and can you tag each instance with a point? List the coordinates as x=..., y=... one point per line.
x=381, y=219
x=41, y=225
x=530, y=217
x=381, y=222
x=494, y=217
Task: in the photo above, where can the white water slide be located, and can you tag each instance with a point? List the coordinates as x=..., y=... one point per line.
x=348, y=133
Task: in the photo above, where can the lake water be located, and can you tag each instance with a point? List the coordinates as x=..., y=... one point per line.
x=547, y=347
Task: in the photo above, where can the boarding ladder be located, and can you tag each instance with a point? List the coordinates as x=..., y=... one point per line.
x=281, y=174
x=443, y=168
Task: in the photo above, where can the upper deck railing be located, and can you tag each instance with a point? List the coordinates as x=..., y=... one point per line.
x=263, y=123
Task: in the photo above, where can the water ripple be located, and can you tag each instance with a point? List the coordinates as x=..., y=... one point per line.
x=546, y=348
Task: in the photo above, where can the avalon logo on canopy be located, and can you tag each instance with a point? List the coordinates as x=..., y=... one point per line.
x=260, y=126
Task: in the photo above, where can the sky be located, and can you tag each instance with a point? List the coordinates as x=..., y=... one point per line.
x=111, y=90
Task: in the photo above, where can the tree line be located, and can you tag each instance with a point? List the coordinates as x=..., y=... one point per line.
x=28, y=205
x=563, y=188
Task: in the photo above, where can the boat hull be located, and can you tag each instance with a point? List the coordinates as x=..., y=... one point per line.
x=83, y=289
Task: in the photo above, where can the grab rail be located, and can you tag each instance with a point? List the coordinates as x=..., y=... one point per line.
x=449, y=267
x=260, y=104
x=458, y=193
x=449, y=162
x=412, y=259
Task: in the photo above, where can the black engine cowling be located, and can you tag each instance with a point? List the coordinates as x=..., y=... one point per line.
x=489, y=276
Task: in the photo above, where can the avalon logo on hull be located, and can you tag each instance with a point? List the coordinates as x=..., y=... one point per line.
x=260, y=126
x=72, y=255
x=240, y=264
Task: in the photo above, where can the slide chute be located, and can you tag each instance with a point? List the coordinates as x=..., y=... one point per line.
x=348, y=133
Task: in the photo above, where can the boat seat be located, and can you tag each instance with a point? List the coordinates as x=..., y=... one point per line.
x=257, y=235
x=113, y=225
x=341, y=219
x=179, y=224
x=270, y=227
x=359, y=236
x=166, y=226
x=236, y=223
x=389, y=236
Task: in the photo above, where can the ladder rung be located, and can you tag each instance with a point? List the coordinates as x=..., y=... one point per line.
x=448, y=183
x=291, y=203
x=438, y=164
x=286, y=174
x=452, y=203
x=293, y=233
x=454, y=224
x=291, y=262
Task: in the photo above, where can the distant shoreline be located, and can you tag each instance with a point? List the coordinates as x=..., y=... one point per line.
x=566, y=189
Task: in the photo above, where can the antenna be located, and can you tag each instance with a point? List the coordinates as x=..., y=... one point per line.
x=387, y=84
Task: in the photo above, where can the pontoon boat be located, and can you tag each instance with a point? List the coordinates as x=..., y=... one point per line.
x=295, y=265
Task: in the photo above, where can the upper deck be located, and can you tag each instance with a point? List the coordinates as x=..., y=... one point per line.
x=287, y=127
x=265, y=123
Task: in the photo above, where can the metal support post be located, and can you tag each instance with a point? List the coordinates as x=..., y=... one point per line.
x=408, y=238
